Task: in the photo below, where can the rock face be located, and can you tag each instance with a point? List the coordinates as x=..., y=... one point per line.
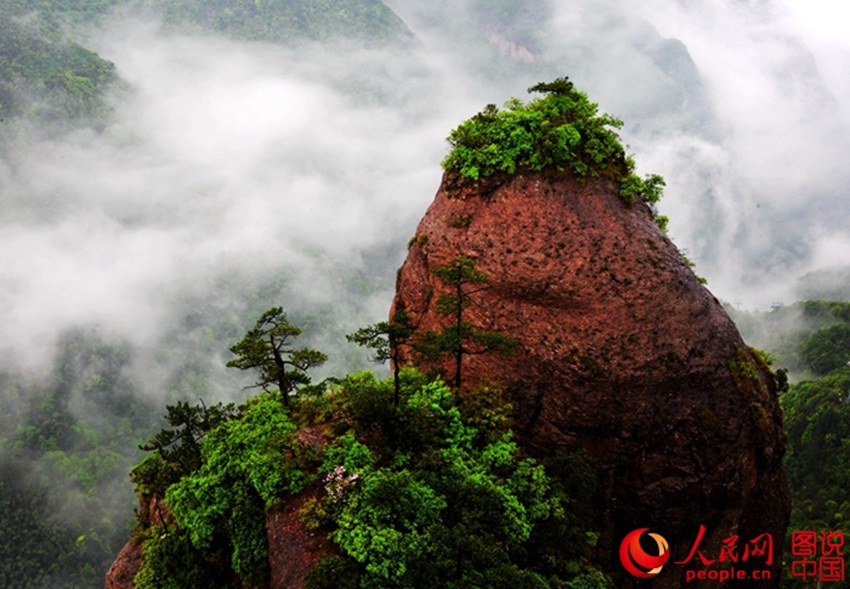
x=152, y=511
x=622, y=352
x=125, y=567
x=294, y=548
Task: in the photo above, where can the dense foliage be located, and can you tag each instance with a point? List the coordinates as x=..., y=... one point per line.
x=562, y=131
x=288, y=20
x=47, y=77
x=817, y=423
x=263, y=20
x=431, y=492
x=181, y=446
x=247, y=463
x=63, y=463
x=55, y=12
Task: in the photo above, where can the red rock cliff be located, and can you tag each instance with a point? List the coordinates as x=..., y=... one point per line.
x=294, y=549
x=621, y=352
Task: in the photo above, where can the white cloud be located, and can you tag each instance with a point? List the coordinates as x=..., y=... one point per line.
x=235, y=157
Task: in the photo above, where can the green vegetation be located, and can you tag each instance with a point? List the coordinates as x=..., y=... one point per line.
x=414, y=485
x=70, y=437
x=431, y=492
x=246, y=461
x=56, y=12
x=247, y=464
x=277, y=21
x=267, y=348
x=63, y=491
x=562, y=131
x=460, y=338
x=288, y=20
x=827, y=349
x=180, y=447
x=816, y=415
x=386, y=338
x=804, y=338
x=45, y=76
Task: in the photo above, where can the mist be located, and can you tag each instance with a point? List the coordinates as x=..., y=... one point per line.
x=244, y=159
x=234, y=176
x=225, y=159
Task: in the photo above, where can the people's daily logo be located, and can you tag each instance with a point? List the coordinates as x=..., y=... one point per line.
x=640, y=561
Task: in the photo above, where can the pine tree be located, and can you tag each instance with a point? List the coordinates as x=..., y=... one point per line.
x=385, y=338
x=460, y=338
x=181, y=445
x=268, y=348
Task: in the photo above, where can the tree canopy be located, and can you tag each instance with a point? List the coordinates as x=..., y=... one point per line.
x=561, y=131
x=460, y=338
x=268, y=348
x=430, y=493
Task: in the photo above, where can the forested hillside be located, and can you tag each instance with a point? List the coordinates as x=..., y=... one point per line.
x=428, y=490
x=47, y=77
x=810, y=342
x=288, y=20
x=71, y=432
x=64, y=458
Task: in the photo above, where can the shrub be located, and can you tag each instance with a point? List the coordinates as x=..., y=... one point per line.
x=414, y=496
x=444, y=506
x=248, y=463
x=561, y=131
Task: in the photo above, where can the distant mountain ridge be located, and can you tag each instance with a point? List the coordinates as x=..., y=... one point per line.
x=283, y=21
x=48, y=76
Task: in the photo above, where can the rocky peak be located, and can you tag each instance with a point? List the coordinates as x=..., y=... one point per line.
x=621, y=352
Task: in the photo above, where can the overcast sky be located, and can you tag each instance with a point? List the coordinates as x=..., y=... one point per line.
x=826, y=20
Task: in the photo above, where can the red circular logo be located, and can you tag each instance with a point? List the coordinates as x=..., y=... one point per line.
x=637, y=560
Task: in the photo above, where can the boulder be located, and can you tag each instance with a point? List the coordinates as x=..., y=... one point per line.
x=622, y=353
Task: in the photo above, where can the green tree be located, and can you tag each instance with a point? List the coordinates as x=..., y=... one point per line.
x=562, y=131
x=827, y=349
x=461, y=338
x=457, y=508
x=268, y=348
x=385, y=338
x=182, y=444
